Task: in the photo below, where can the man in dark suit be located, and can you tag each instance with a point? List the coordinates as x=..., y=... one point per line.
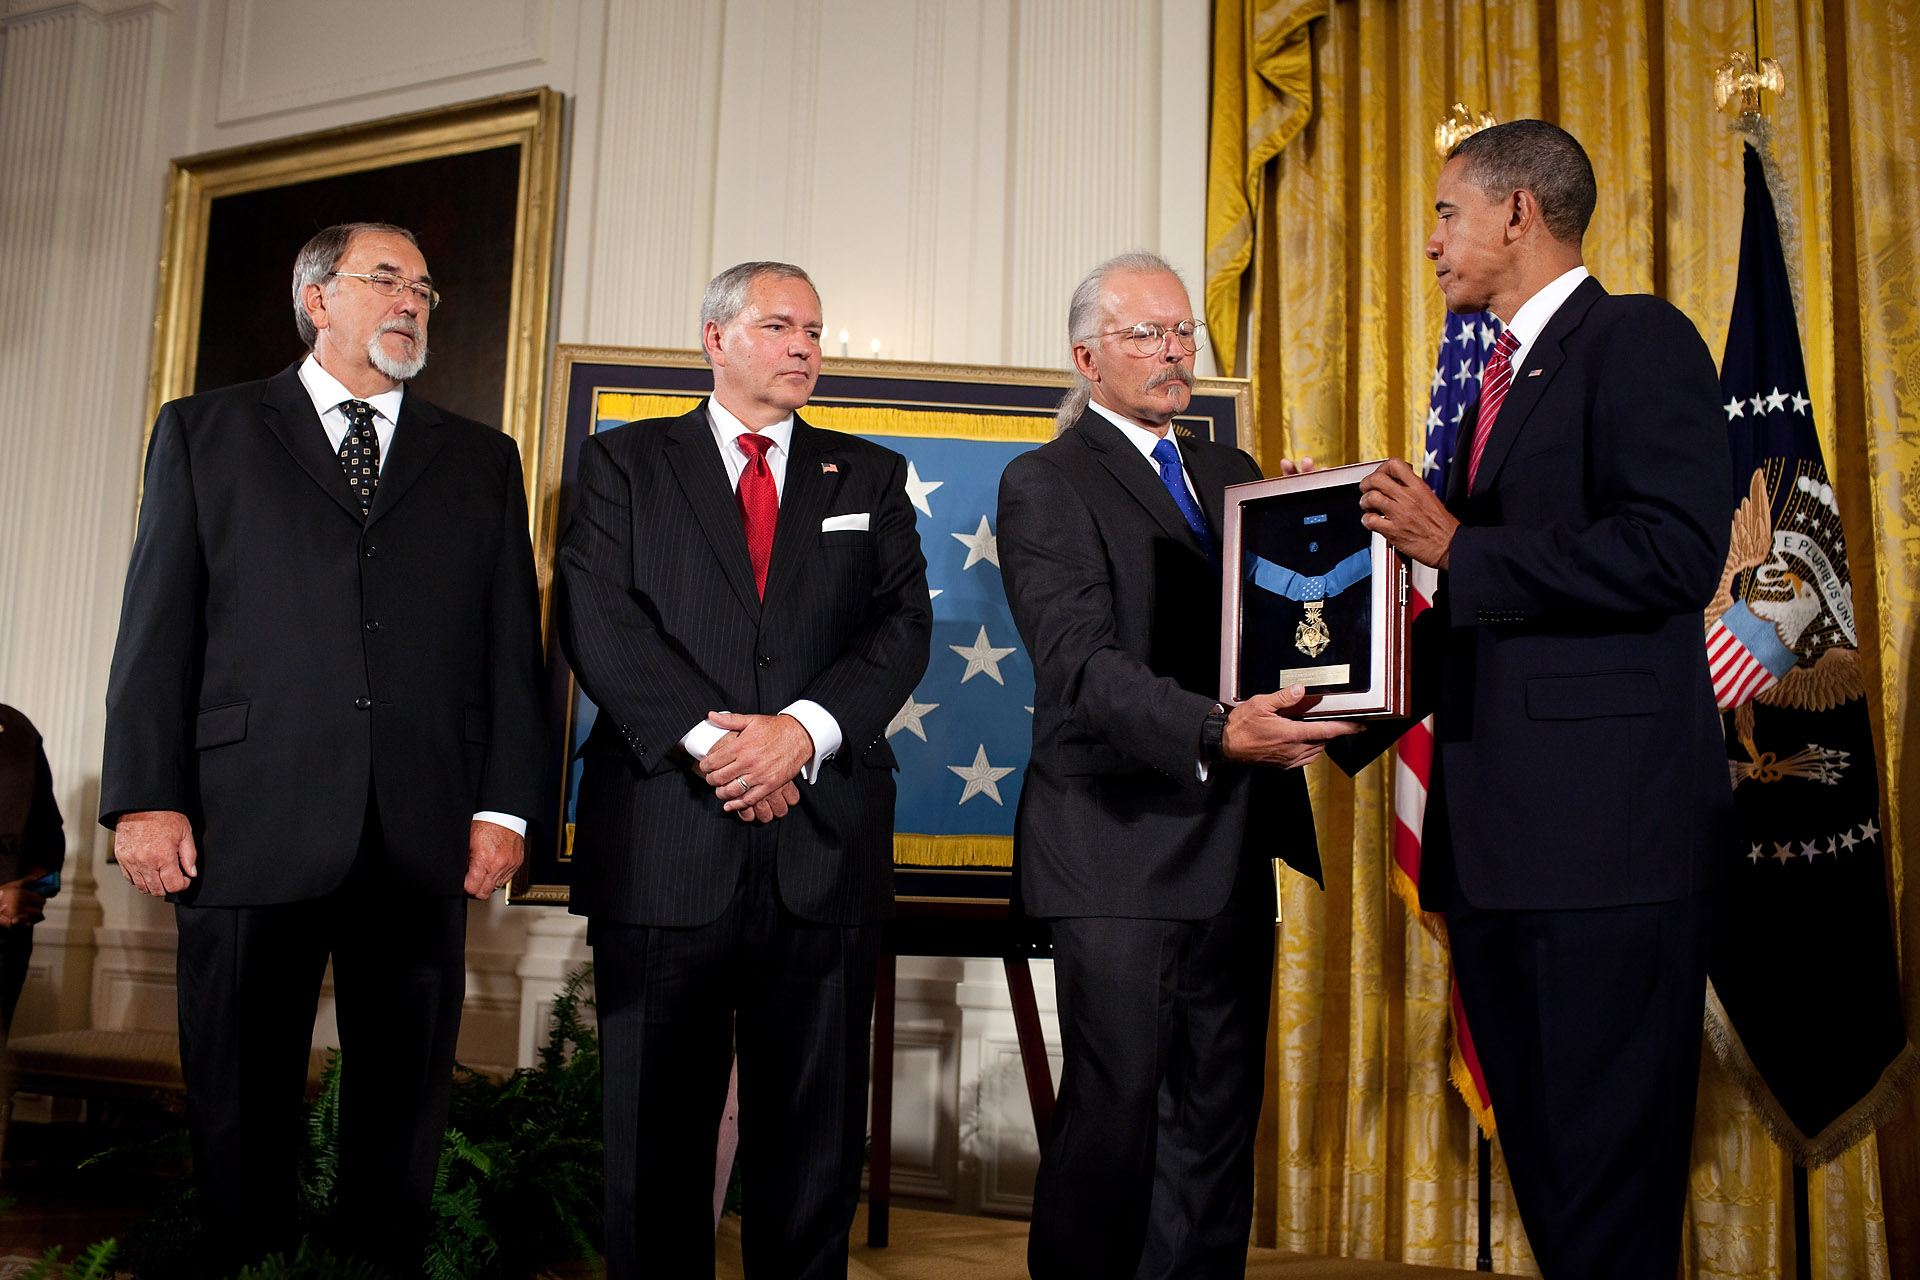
x=33, y=848
x=1145, y=829
x=323, y=724
x=746, y=603
x=1579, y=802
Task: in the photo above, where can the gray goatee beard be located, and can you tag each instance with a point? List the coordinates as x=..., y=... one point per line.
x=398, y=370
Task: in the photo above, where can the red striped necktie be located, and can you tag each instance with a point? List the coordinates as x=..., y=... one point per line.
x=759, y=504
x=1493, y=390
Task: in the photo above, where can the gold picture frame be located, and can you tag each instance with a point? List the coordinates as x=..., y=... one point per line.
x=501, y=242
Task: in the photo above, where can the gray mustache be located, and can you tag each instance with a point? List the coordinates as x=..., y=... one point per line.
x=1172, y=373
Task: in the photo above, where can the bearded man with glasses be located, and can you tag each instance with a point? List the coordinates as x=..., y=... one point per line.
x=1149, y=813
x=323, y=726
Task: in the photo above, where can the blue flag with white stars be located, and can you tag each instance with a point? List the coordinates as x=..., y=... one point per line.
x=1464, y=347
x=963, y=738
x=1805, y=982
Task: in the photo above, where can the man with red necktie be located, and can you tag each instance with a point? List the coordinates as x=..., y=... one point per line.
x=1579, y=805
x=744, y=598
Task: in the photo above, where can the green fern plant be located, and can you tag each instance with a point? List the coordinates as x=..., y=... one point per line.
x=518, y=1184
x=94, y=1263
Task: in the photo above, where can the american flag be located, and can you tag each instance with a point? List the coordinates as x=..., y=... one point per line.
x=1455, y=390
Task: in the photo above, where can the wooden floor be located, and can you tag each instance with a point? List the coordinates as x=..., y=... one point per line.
x=47, y=1203
x=945, y=1246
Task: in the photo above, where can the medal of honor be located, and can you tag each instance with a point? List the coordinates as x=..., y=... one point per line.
x=1312, y=636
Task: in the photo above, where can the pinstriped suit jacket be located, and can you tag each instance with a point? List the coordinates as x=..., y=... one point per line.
x=662, y=624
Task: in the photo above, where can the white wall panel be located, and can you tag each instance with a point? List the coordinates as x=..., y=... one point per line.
x=278, y=56
x=1086, y=93
x=79, y=95
x=650, y=234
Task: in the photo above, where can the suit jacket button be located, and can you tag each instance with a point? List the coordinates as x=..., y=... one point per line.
x=372, y=551
x=372, y=625
x=765, y=661
x=639, y=750
x=361, y=704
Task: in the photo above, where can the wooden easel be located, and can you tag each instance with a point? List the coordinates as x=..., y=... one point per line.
x=952, y=928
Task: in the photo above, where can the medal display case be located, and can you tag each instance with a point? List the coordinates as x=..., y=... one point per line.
x=1310, y=597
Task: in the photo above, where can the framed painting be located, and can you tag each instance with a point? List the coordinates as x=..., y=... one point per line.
x=477, y=183
x=964, y=736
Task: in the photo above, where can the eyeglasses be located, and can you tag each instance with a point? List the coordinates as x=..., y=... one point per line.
x=1150, y=339
x=390, y=286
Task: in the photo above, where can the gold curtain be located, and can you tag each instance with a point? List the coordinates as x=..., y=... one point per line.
x=1365, y=1150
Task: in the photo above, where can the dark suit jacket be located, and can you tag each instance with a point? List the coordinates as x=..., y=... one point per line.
x=30, y=831
x=1120, y=609
x=1579, y=759
x=661, y=621
x=276, y=653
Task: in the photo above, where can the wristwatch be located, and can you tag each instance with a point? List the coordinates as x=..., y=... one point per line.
x=1213, y=732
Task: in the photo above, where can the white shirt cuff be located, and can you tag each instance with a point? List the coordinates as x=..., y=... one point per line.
x=821, y=727
x=516, y=825
x=699, y=740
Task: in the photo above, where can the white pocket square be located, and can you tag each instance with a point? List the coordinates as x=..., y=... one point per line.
x=834, y=524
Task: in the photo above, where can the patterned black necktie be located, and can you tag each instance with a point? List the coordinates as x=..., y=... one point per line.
x=360, y=453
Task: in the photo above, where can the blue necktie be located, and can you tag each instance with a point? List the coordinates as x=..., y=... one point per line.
x=1168, y=456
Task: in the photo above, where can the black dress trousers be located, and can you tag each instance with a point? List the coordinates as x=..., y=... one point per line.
x=796, y=998
x=249, y=986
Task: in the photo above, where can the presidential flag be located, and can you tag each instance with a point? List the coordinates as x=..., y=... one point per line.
x=1805, y=1002
x=1453, y=394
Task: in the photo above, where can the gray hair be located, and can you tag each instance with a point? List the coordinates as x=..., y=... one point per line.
x=1539, y=157
x=1085, y=316
x=318, y=258
x=726, y=295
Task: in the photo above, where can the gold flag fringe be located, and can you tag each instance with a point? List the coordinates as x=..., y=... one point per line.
x=1849, y=1129
x=1436, y=926
x=628, y=406
x=865, y=420
x=911, y=850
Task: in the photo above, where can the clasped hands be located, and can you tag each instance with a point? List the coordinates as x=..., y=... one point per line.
x=752, y=769
x=19, y=904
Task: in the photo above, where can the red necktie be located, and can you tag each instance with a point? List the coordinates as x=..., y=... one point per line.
x=1493, y=390
x=759, y=504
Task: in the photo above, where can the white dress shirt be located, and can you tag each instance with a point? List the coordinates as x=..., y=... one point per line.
x=328, y=396
x=1145, y=440
x=814, y=718
x=1535, y=313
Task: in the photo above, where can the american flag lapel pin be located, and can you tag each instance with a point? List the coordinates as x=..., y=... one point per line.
x=829, y=468
x=1533, y=373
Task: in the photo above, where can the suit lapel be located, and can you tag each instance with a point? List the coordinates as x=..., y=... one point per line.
x=1136, y=475
x=702, y=477
x=416, y=439
x=1546, y=356
x=288, y=412
x=805, y=499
